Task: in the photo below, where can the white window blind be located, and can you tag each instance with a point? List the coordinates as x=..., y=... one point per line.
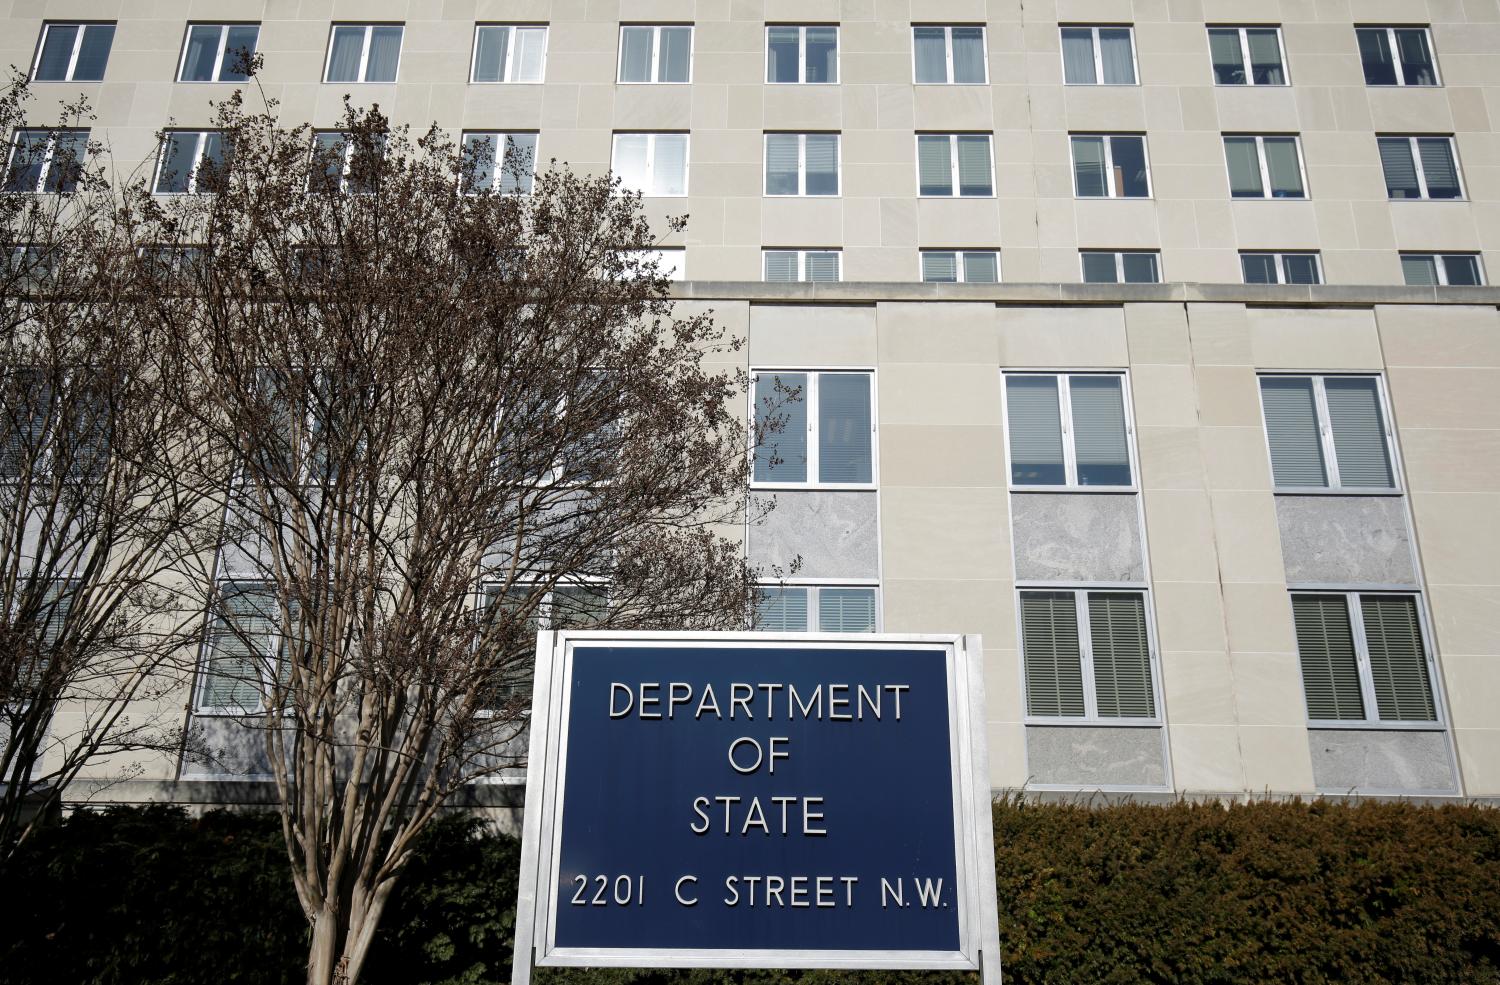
x=363, y=53
x=244, y=650
x=656, y=53
x=949, y=55
x=819, y=427
x=802, y=54
x=509, y=53
x=802, y=163
x=1067, y=430
x=46, y=161
x=655, y=164
x=1098, y=56
x=815, y=608
x=954, y=164
x=960, y=266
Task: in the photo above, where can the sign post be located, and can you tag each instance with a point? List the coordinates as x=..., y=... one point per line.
x=741, y=800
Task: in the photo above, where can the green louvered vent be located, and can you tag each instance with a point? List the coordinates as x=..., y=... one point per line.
x=1122, y=655
x=1049, y=640
x=1398, y=664
x=1325, y=644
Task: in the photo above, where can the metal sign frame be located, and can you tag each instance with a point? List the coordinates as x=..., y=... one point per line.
x=974, y=849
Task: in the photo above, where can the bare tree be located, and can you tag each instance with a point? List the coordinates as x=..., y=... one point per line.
x=92, y=531
x=455, y=414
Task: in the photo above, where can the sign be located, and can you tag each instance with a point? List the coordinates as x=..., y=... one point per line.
x=757, y=800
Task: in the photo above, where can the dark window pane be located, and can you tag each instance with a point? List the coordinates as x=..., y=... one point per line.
x=1130, y=166
x=1259, y=268
x=1099, y=268
x=822, y=54
x=1375, y=55
x=1416, y=57
x=1229, y=61
x=1301, y=268
x=202, y=52
x=781, y=54
x=1265, y=57
x=57, y=52
x=94, y=52
x=1462, y=269
x=238, y=49
x=1140, y=268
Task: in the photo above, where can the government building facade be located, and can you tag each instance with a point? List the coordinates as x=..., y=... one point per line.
x=1150, y=340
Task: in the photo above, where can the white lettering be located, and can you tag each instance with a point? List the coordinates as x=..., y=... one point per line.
x=771, y=742
x=835, y=703
x=677, y=891
x=770, y=690
x=615, y=687
x=740, y=695
x=673, y=690
x=754, y=816
x=896, y=689
x=709, y=700
x=928, y=892
x=872, y=700
x=654, y=701
x=897, y=893
x=698, y=804
x=793, y=700
x=729, y=884
x=809, y=815
x=743, y=740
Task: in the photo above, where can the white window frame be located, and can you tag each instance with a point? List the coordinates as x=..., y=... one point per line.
x=1109, y=167
x=814, y=586
x=1070, y=482
x=1325, y=437
x=206, y=655
x=223, y=27
x=1362, y=662
x=801, y=264
x=1441, y=266
x=1416, y=160
x=801, y=135
x=1245, y=66
x=498, y=139
x=989, y=145
x=958, y=256
x=655, y=30
x=1280, y=258
x=346, y=152
x=1267, y=192
x=1119, y=257
x=1093, y=29
x=984, y=44
x=364, y=51
x=41, y=181
x=651, y=135
x=510, y=52
x=1390, y=40
x=810, y=401
x=544, y=614
x=41, y=44
x=672, y=260
x=838, y=55
x=192, y=178
x=1081, y=592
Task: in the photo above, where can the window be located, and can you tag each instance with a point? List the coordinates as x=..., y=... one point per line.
x=1247, y=56
x=1111, y=165
x=1281, y=268
x=1087, y=655
x=180, y=169
x=807, y=55
x=1327, y=432
x=816, y=609
x=27, y=265
x=955, y=164
x=341, y=164
x=652, y=163
x=1363, y=658
x=565, y=606
x=363, y=53
x=73, y=52
x=170, y=261
x=1264, y=167
x=802, y=164
x=1442, y=269
x=508, y=53
x=790, y=266
x=656, y=53
x=516, y=166
x=1067, y=429
x=671, y=263
x=1397, y=56
x=823, y=430
x=1420, y=167
x=217, y=52
x=960, y=267
x=949, y=55
x=1120, y=267
x=46, y=160
x=1098, y=56
x=246, y=651
x=42, y=432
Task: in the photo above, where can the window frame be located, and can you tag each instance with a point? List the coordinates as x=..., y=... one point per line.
x=1280, y=258
x=656, y=29
x=544, y=618
x=953, y=177
x=364, y=52
x=82, y=25
x=1354, y=608
x=1070, y=482
x=802, y=254
x=672, y=260
x=1421, y=171
x=1390, y=37
x=814, y=588
x=838, y=54
x=959, y=256
x=801, y=135
x=200, y=709
x=192, y=177
x=1440, y=266
x=1245, y=66
x=984, y=45
x=1109, y=167
x=223, y=26
x=810, y=401
x=510, y=49
x=499, y=163
x=1325, y=436
x=1098, y=51
x=1267, y=192
x=1119, y=257
x=41, y=182
x=651, y=135
x=1081, y=591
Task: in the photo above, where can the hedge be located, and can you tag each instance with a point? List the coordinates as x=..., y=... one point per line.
x=1185, y=893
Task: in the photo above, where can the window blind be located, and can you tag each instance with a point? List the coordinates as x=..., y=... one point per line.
x=1358, y=432
x=1121, y=655
x=1438, y=166
x=1398, y=664
x=531, y=45
x=1050, y=652
x=635, y=54
x=1078, y=56
x=1244, y=167
x=846, y=610
x=1035, y=424
x=1099, y=431
x=1301, y=268
x=822, y=54
x=781, y=163
x=385, y=51
x=782, y=454
x=844, y=427
x=822, y=266
x=1283, y=167
x=782, y=44
x=1116, y=56
x=822, y=164
x=968, y=55
x=930, y=49
x=1265, y=57
x=520, y=158
x=490, y=44
x=242, y=644
x=934, y=167
x=781, y=266
x=669, y=164
x=1140, y=268
x=631, y=157
x=939, y=267
x=1419, y=271
x=28, y=405
x=1228, y=60
x=1325, y=648
x=1258, y=268
x=674, y=55
x=981, y=268
x=1292, y=430
x=1088, y=167
x=781, y=610
x=1099, y=268
x=1400, y=169
x=974, y=171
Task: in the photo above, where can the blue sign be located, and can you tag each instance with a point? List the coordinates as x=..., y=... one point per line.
x=789, y=798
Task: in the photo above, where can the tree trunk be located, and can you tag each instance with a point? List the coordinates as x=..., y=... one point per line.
x=341, y=941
